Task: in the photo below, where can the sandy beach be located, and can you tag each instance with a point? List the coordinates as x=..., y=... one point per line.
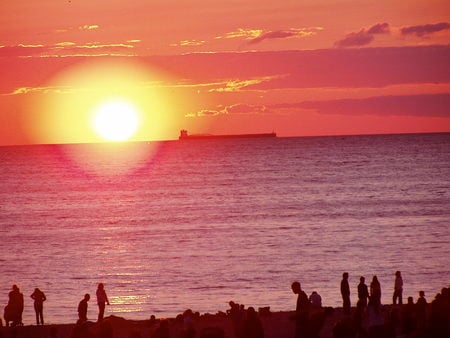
x=275, y=325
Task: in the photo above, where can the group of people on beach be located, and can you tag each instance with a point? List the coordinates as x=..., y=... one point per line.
x=14, y=309
x=368, y=319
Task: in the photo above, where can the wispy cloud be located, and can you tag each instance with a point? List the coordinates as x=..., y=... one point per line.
x=284, y=34
x=234, y=109
x=424, y=30
x=242, y=33
x=255, y=36
x=88, y=27
x=238, y=85
x=64, y=48
x=44, y=90
x=185, y=43
x=364, y=36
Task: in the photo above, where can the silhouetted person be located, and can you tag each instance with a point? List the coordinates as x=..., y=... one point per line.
x=188, y=324
x=363, y=291
x=252, y=325
x=14, y=309
x=421, y=310
x=375, y=320
x=301, y=310
x=102, y=300
x=375, y=290
x=315, y=300
x=398, y=289
x=316, y=321
x=82, y=308
x=408, y=317
x=358, y=318
x=163, y=330
x=345, y=292
x=237, y=317
x=39, y=298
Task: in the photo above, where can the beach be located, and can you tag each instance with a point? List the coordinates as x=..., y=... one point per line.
x=275, y=324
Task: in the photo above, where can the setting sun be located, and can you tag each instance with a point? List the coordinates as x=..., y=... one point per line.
x=115, y=120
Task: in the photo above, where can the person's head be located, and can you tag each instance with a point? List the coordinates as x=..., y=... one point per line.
x=87, y=296
x=37, y=290
x=398, y=274
x=422, y=293
x=345, y=275
x=362, y=279
x=410, y=300
x=15, y=287
x=296, y=287
x=100, y=286
x=375, y=279
x=251, y=313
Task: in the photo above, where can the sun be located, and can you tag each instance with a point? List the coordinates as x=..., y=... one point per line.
x=115, y=120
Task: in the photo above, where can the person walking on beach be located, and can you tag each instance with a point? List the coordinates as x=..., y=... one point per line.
x=39, y=298
x=345, y=292
x=398, y=289
x=375, y=290
x=301, y=310
x=102, y=300
x=82, y=308
x=363, y=291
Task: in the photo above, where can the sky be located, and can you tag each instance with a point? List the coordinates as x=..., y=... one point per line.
x=299, y=68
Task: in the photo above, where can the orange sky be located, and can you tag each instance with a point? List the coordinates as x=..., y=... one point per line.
x=310, y=67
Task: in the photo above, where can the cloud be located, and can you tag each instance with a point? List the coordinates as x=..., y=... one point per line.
x=234, y=109
x=429, y=105
x=247, y=34
x=22, y=50
x=363, y=37
x=188, y=43
x=238, y=85
x=379, y=28
x=65, y=48
x=283, y=34
x=423, y=30
x=360, y=38
x=245, y=109
x=88, y=27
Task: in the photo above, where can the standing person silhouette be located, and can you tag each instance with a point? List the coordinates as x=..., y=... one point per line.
x=82, y=308
x=14, y=309
x=345, y=292
x=363, y=291
x=375, y=290
x=39, y=298
x=398, y=289
x=102, y=300
x=301, y=310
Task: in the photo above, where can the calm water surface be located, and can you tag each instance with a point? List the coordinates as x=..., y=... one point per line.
x=197, y=223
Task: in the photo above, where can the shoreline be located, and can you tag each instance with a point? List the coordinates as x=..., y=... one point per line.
x=276, y=325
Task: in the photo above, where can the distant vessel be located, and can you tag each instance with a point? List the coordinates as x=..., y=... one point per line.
x=185, y=136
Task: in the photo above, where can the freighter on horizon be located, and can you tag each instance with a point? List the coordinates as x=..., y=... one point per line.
x=185, y=136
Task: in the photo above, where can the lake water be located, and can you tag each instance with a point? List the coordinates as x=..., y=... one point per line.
x=193, y=224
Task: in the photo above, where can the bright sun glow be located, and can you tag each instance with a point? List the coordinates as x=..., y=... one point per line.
x=116, y=120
